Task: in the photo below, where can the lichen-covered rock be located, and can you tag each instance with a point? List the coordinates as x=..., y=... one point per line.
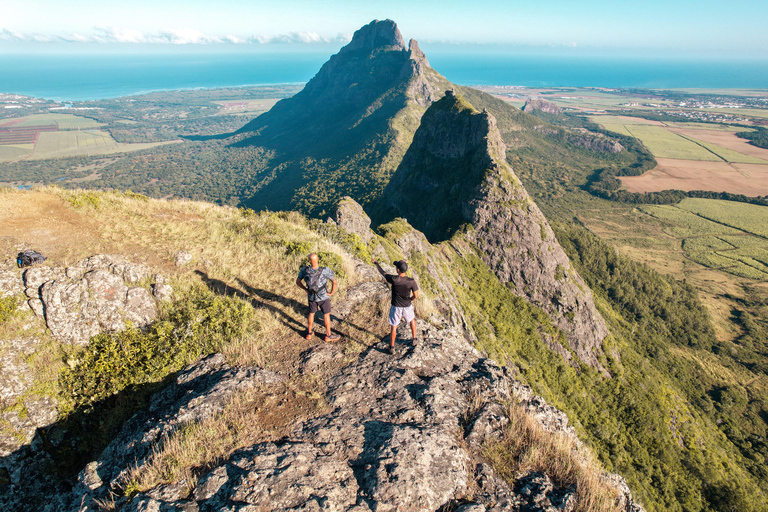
x=199, y=392
x=350, y=216
x=90, y=297
x=161, y=290
x=117, y=265
x=182, y=258
x=10, y=283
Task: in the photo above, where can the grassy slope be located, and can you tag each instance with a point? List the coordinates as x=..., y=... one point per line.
x=243, y=268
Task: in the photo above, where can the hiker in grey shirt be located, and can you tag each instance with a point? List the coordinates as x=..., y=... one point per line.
x=314, y=280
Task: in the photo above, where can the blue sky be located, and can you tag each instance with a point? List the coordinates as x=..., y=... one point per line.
x=705, y=27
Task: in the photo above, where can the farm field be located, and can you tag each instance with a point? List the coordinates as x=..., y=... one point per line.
x=245, y=107
x=662, y=143
x=15, y=152
x=724, y=138
x=748, y=179
x=63, y=121
x=722, y=235
x=666, y=242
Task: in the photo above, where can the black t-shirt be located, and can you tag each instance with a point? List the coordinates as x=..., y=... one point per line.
x=401, y=290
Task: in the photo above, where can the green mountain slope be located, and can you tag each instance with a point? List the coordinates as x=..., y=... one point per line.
x=346, y=131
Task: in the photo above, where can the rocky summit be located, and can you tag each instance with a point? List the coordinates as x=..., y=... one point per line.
x=346, y=131
x=403, y=431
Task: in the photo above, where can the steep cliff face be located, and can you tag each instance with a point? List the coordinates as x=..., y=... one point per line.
x=359, y=111
x=455, y=174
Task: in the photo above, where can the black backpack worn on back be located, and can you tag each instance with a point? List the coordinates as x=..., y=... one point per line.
x=314, y=280
x=28, y=258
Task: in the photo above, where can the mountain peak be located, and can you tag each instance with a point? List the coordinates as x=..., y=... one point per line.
x=375, y=35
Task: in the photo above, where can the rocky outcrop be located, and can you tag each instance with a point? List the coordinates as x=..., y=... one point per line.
x=403, y=433
x=351, y=217
x=457, y=159
x=199, y=392
x=92, y=296
x=542, y=105
x=598, y=143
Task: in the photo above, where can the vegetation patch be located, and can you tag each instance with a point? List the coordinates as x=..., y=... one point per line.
x=106, y=381
x=525, y=447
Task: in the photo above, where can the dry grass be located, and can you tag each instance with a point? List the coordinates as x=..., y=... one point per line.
x=251, y=417
x=527, y=447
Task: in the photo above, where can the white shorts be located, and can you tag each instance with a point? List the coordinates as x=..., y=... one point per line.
x=396, y=314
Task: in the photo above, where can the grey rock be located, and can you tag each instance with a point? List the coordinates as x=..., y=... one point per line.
x=199, y=392
x=90, y=297
x=350, y=216
x=538, y=493
x=161, y=290
x=118, y=265
x=182, y=258
x=10, y=283
x=541, y=104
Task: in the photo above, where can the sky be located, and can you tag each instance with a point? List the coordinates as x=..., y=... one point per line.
x=702, y=27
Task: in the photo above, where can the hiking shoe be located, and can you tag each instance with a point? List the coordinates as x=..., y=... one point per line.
x=308, y=336
x=332, y=337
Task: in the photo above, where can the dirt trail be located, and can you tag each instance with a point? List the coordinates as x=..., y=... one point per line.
x=47, y=224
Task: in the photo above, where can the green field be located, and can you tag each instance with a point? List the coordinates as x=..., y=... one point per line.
x=617, y=128
x=728, y=155
x=70, y=143
x=724, y=235
x=11, y=153
x=617, y=120
x=750, y=218
x=63, y=121
x=665, y=144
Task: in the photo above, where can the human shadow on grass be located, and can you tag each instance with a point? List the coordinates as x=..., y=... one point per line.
x=222, y=288
x=298, y=307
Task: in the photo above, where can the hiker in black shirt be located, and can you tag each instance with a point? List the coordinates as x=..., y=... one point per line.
x=404, y=292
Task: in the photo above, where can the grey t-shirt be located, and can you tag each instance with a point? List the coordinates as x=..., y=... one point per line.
x=327, y=275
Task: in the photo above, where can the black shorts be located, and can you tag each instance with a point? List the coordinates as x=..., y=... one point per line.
x=324, y=306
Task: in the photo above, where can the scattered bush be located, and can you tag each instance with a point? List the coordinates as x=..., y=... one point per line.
x=8, y=307
x=114, y=361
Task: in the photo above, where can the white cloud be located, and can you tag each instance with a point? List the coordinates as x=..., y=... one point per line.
x=117, y=35
x=177, y=36
x=10, y=35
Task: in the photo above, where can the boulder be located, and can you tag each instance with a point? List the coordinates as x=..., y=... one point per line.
x=91, y=297
x=350, y=216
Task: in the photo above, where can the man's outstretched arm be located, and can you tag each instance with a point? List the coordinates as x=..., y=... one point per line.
x=378, y=267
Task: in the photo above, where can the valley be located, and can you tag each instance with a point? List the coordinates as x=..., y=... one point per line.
x=638, y=311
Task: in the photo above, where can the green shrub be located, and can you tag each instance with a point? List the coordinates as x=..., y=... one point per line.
x=84, y=199
x=292, y=248
x=332, y=261
x=8, y=307
x=351, y=242
x=114, y=361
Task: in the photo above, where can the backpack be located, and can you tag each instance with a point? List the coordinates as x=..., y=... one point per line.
x=315, y=282
x=28, y=258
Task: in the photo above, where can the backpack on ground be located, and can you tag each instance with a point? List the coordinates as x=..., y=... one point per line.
x=28, y=258
x=315, y=281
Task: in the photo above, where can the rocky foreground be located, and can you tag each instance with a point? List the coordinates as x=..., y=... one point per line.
x=404, y=432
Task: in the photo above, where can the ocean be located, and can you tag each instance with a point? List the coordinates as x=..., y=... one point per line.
x=79, y=77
